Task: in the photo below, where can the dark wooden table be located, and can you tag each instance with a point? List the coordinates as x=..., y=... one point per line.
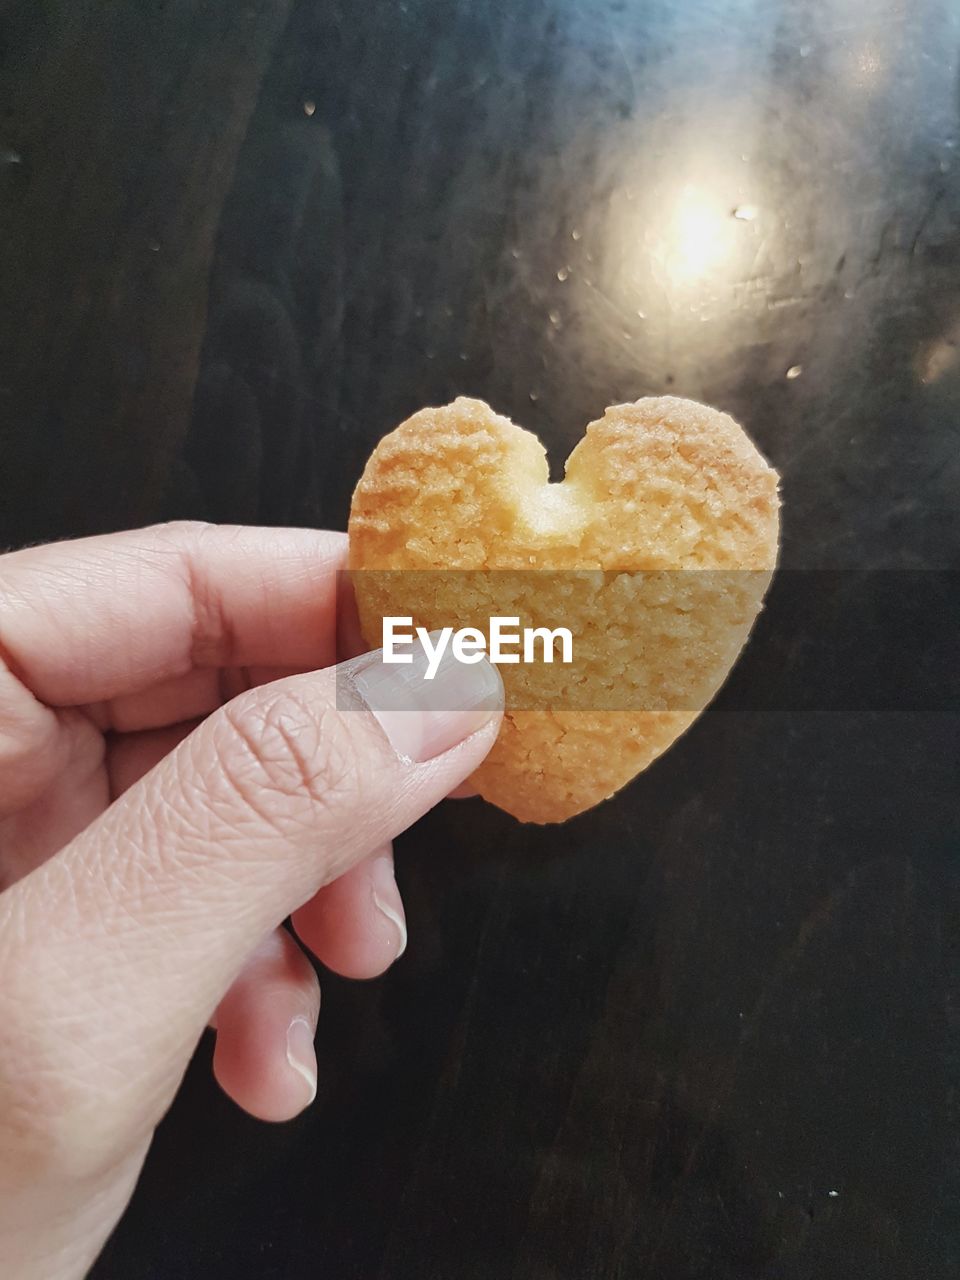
x=709, y=1030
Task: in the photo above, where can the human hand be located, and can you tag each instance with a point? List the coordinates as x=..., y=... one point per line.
x=175, y=779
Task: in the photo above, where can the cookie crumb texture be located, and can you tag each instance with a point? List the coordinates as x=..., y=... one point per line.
x=653, y=488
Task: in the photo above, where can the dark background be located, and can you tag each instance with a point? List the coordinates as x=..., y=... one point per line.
x=711, y=1029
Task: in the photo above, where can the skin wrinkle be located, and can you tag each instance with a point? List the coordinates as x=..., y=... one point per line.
x=176, y=859
x=122, y=915
x=241, y=781
x=200, y=785
x=212, y=637
x=292, y=730
x=322, y=777
x=142, y=556
x=139, y=878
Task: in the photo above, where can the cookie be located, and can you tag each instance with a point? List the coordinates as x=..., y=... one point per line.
x=655, y=551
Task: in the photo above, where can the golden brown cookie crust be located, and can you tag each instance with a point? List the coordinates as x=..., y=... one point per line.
x=653, y=488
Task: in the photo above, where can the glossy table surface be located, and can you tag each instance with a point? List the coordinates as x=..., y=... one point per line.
x=709, y=1030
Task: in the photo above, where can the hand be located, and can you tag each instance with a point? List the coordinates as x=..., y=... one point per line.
x=176, y=777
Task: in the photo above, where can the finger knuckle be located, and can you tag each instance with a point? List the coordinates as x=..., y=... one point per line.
x=284, y=759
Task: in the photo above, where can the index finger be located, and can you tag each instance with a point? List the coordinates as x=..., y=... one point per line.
x=94, y=619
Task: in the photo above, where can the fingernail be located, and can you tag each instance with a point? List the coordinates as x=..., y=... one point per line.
x=300, y=1054
x=423, y=718
x=386, y=898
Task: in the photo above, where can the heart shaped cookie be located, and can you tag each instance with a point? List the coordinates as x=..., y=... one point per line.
x=655, y=552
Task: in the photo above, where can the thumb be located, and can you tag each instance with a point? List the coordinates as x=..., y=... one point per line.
x=127, y=939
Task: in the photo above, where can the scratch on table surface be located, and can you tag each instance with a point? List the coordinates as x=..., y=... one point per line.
x=618, y=42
